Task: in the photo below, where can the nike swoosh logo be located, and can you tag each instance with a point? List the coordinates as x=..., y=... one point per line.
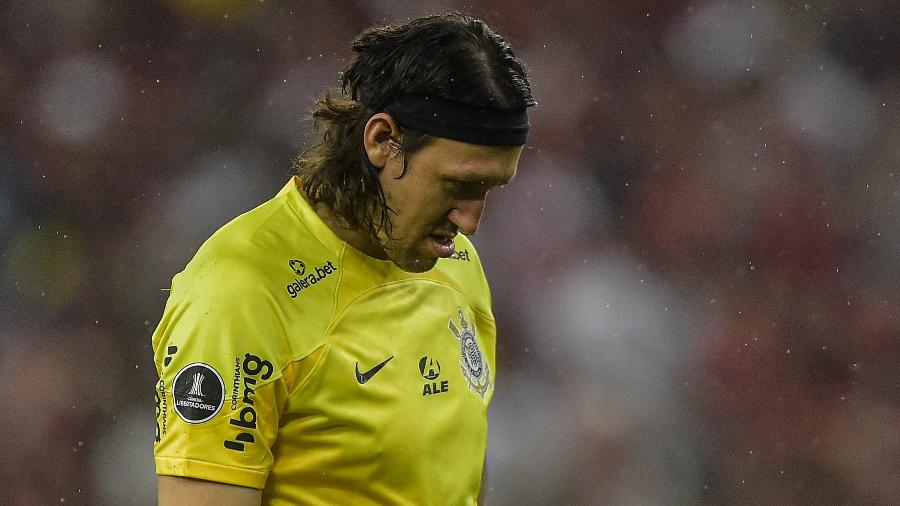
x=363, y=377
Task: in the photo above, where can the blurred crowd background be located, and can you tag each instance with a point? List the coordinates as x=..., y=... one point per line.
x=695, y=272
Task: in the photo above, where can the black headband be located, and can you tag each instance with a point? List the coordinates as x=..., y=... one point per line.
x=437, y=116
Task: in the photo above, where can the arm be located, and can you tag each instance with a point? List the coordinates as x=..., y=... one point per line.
x=220, y=394
x=174, y=490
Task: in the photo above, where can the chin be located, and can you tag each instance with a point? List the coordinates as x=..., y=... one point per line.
x=412, y=262
x=415, y=265
x=411, y=259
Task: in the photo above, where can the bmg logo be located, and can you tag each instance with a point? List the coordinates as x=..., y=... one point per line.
x=254, y=369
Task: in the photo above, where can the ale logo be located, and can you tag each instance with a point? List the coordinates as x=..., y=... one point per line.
x=199, y=392
x=429, y=368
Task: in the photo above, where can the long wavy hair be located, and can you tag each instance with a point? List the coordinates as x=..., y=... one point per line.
x=453, y=56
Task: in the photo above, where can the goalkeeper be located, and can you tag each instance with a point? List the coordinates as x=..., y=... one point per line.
x=335, y=345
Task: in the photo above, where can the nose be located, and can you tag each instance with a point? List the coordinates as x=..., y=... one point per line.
x=466, y=215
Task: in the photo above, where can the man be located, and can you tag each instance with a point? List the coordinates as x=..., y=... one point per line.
x=336, y=344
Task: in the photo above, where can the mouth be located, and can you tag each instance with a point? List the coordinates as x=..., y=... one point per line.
x=442, y=245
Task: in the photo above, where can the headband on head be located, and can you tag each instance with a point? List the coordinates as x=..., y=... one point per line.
x=477, y=125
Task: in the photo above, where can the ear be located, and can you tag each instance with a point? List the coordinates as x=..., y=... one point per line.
x=379, y=136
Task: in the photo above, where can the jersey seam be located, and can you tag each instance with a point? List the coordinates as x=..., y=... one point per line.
x=352, y=301
x=287, y=362
x=484, y=315
x=298, y=213
x=265, y=219
x=337, y=286
x=483, y=275
x=312, y=372
x=297, y=358
x=284, y=334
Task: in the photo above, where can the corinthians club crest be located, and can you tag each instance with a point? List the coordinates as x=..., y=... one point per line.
x=471, y=361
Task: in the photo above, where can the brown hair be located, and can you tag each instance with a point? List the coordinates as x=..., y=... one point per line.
x=453, y=56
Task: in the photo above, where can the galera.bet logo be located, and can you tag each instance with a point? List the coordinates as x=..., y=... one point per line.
x=304, y=280
x=298, y=267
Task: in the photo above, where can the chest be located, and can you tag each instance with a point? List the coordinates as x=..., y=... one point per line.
x=402, y=388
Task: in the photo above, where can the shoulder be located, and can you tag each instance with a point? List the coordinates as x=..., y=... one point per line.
x=237, y=294
x=466, y=270
x=257, y=251
x=250, y=237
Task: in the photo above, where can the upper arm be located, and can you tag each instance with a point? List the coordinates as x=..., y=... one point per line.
x=219, y=351
x=176, y=491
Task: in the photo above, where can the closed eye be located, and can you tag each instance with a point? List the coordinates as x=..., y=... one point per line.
x=469, y=190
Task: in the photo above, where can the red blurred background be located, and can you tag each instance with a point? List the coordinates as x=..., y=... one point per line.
x=695, y=272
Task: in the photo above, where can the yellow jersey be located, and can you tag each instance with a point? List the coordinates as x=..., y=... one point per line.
x=291, y=362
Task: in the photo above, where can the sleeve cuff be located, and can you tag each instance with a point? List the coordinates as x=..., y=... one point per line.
x=186, y=468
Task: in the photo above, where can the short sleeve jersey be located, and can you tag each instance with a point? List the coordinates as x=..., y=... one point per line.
x=292, y=363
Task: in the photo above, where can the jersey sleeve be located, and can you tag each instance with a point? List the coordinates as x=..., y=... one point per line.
x=218, y=351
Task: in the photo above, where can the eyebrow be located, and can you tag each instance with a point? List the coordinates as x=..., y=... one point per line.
x=471, y=177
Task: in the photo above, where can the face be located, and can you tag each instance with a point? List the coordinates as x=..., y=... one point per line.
x=442, y=192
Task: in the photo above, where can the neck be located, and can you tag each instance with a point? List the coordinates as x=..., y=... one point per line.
x=356, y=238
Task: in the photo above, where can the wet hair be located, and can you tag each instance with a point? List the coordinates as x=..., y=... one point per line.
x=453, y=56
